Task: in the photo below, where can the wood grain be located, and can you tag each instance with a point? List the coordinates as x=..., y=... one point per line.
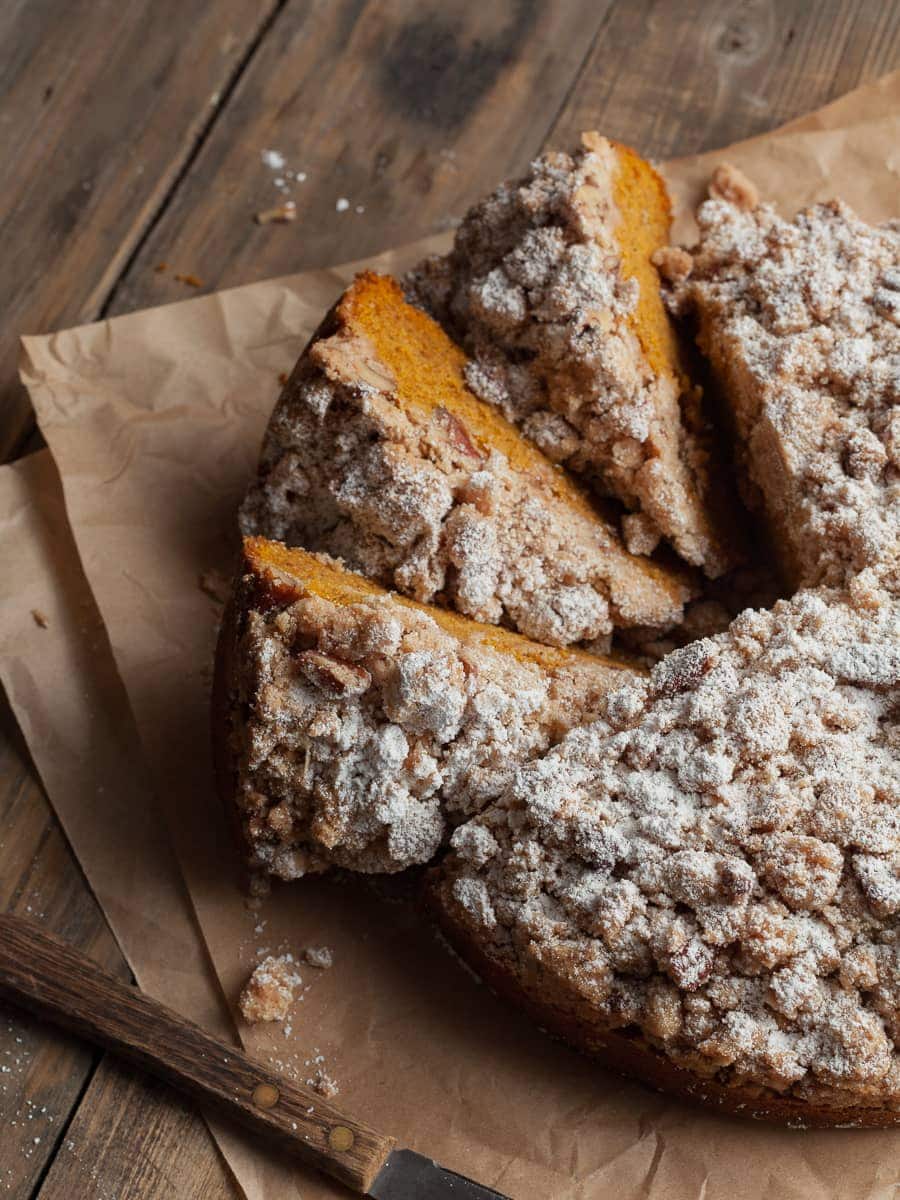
x=407, y=110
x=43, y=974
x=134, y=1137
x=43, y=1071
x=101, y=104
x=673, y=79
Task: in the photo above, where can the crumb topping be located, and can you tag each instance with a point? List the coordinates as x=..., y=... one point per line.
x=269, y=992
x=368, y=729
x=715, y=862
x=378, y=454
x=801, y=320
x=551, y=287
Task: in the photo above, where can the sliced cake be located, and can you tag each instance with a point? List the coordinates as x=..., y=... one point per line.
x=552, y=287
x=801, y=321
x=378, y=454
x=354, y=726
x=703, y=886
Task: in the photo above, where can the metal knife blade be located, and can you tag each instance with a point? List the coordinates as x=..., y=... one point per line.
x=410, y=1176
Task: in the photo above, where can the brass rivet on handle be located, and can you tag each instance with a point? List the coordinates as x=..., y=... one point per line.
x=266, y=1095
x=340, y=1138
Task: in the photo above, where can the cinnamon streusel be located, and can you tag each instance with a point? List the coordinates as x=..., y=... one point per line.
x=712, y=868
x=379, y=454
x=354, y=726
x=552, y=286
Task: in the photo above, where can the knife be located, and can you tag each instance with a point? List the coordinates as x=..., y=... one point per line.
x=43, y=975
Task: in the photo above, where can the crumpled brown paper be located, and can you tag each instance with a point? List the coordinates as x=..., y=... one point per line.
x=154, y=421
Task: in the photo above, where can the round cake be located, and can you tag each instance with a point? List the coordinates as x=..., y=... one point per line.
x=689, y=868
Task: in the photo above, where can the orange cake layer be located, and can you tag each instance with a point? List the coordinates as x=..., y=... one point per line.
x=379, y=453
x=355, y=727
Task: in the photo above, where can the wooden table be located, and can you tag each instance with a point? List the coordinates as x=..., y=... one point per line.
x=133, y=137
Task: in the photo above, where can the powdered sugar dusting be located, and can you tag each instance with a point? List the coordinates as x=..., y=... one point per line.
x=396, y=730
x=715, y=860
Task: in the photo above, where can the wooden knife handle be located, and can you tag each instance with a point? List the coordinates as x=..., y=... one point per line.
x=43, y=975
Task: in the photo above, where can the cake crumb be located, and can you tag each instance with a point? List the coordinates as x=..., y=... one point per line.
x=322, y=1083
x=281, y=213
x=269, y=992
x=40, y=619
x=190, y=280
x=729, y=183
x=318, y=956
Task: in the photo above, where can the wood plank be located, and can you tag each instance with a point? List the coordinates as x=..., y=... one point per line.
x=408, y=109
x=101, y=104
x=42, y=1071
x=679, y=78
x=134, y=1138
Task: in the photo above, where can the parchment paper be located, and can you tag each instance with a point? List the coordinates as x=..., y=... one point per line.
x=154, y=420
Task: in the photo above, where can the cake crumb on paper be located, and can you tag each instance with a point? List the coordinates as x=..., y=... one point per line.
x=269, y=992
x=40, y=619
x=280, y=214
x=318, y=956
x=322, y=1083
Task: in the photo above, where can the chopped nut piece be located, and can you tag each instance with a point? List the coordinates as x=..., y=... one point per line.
x=341, y=678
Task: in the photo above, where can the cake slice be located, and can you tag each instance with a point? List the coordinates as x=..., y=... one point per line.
x=801, y=321
x=378, y=454
x=552, y=288
x=353, y=726
x=703, y=886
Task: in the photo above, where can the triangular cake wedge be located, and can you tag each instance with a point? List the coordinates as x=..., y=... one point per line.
x=379, y=454
x=801, y=321
x=552, y=286
x=703, y=886
x=354, y=727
